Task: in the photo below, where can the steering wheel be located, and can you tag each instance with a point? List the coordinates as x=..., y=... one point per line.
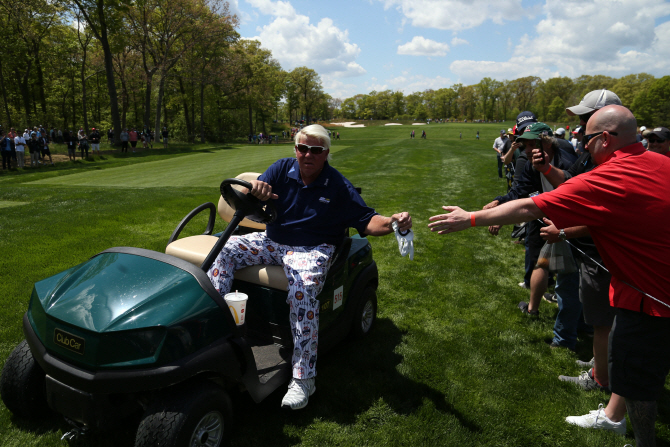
x=252, y=207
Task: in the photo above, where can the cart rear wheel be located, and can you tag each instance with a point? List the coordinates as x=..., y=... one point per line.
x=195, y=416
x=23, y=384
x=365, y=313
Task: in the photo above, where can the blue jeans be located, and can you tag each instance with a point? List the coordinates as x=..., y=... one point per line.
x=569, y=309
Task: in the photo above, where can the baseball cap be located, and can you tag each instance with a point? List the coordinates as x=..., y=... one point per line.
x=560, y=131
x=510, y=131
x=502, y=131
x=642, y=129
x=597, y=99
x=523, y=119
x=534, y=131
x=660, y=132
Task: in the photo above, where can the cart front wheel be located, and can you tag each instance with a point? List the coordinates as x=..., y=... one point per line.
x=195, y=416
x=23, y=384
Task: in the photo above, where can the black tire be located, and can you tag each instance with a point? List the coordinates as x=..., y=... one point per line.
x=23, y=384
x=200, y=411
x=365, y=313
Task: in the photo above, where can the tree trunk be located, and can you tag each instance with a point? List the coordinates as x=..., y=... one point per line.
x=40, y=79
x=74, y=115
x=202, y=112
x=184, y=101
x=159, y=103
x=82, y=73
x=25, y=94
x=109, y=70
x=4, y=95
x=147, y=99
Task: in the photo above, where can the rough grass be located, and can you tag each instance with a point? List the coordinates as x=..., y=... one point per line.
x=451, y=360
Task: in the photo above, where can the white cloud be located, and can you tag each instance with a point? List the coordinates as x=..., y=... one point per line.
x=456, y=15
x=589, y=37
x=295, y=42
x=234, y=6
x=418, y=83
x=420, y=46
x=456, y=41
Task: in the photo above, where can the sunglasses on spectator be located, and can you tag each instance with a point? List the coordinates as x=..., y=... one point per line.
x=586, y=116
x=315, y=150
x=587, y=138
x=656, y=140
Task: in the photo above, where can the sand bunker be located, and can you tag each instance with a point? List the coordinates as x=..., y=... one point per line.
x=348, y=124
x=418, y=124
x=393, y=124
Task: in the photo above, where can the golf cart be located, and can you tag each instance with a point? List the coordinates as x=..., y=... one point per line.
x=138, y=333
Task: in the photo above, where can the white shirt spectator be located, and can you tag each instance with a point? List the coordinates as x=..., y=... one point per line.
x=20, y=143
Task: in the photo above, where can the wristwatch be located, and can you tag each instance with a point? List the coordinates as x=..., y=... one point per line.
x=561, y=235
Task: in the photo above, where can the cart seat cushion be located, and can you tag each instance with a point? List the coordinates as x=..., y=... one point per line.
x=195, y=249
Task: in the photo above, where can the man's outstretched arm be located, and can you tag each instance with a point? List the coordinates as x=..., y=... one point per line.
x=381, y=225
x=522, y=210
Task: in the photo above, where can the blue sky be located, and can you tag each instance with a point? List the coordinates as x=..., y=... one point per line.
x=413, y=45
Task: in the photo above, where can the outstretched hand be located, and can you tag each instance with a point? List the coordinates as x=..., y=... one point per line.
x=456, y=220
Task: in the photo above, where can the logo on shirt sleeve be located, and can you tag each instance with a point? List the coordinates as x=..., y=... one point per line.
x=324, y=200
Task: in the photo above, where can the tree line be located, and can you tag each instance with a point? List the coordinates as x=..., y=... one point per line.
x=648, y=97
x=144, y=63
x=182, y=64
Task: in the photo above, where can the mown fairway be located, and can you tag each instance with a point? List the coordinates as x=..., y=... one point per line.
x=451, y=360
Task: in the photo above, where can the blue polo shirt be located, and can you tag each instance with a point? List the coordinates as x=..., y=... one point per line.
x=317, y=213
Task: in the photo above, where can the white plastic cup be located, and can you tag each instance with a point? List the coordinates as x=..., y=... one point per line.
x=237, y=303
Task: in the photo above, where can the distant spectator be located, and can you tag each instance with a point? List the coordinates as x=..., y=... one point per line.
x=34, y=149
x=164, y=134
x=20, y=145
x=94, y=137
x=6, y=148
x=124, y=137
x=70, y=140
x=659, y=140
x=60, y=136
x=560, y=133
x=132, y=137
x=498, y=145
x=83, y=142
x=44, y=148
x=477, y=135
x=110, y=135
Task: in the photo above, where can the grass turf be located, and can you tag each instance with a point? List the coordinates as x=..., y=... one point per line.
x=451, y=360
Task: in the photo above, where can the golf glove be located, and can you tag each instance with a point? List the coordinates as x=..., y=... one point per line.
x=405, y=241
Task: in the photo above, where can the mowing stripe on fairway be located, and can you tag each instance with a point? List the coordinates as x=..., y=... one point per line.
x=7, y=204
x=205, y=169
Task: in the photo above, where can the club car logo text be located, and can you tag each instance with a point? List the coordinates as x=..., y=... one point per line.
x=69, y=341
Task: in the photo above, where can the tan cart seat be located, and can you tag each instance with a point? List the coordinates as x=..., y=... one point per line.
x=195, y=249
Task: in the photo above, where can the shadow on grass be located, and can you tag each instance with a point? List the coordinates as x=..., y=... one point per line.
x=352, y=379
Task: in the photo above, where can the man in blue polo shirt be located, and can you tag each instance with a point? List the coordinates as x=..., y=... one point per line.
x=315, y=204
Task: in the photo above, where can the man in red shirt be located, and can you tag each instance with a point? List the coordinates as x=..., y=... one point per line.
x=625, y=204
x=659, y=140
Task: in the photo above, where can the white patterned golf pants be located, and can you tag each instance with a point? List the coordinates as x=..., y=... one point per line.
x=305, y=268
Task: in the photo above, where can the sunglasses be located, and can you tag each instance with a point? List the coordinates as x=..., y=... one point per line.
x=656, y=140
x=586, y=116
x=315, y=150
x=587, y=138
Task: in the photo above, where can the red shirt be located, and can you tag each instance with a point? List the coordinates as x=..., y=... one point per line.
x=625, y=203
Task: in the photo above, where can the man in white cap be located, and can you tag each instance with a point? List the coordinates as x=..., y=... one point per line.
x=641, y=138
x=560, y=133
